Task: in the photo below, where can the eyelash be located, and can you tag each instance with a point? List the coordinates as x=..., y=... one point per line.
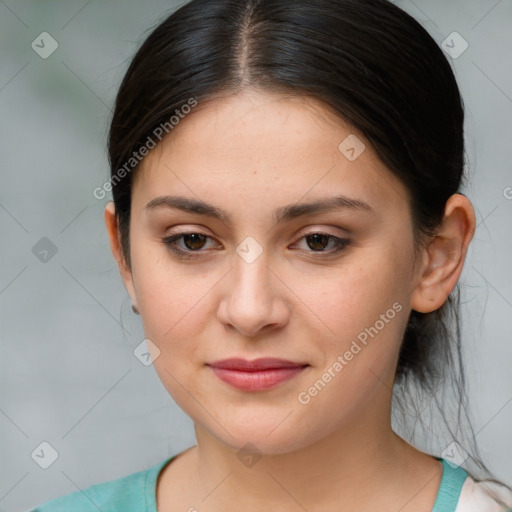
x=170, y=243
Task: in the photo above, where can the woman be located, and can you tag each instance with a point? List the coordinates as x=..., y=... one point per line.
x=288, y=222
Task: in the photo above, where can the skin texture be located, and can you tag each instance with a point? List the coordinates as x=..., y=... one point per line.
x=250, y=154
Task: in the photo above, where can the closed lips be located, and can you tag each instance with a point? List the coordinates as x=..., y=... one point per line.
x=244, y=365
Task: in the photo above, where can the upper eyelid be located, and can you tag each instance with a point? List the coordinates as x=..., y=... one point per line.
x=310, y=231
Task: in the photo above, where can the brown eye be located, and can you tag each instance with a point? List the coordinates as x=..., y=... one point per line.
x=317, y=241
x=191, y=243
x=194, y=241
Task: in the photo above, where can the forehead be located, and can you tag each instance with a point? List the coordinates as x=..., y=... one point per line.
x=258, y=148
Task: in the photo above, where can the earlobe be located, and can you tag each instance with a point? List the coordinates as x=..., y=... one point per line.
x=445, y=255
x=439, y=276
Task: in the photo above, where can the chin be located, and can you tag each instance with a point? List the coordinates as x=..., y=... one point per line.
x=261, y=437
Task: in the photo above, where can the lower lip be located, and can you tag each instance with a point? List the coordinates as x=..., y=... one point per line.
x=257, y=381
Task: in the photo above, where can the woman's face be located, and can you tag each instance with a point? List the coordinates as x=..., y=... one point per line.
x=256, y=282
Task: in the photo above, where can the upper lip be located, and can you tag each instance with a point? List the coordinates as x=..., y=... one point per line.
x=263, y=363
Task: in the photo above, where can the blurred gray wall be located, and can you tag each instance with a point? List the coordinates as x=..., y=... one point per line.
x=68, y=375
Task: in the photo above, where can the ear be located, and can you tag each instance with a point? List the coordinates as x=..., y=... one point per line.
x=115, y=245
x=444, y=257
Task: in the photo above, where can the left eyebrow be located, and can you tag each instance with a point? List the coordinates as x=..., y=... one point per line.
x=280, y=215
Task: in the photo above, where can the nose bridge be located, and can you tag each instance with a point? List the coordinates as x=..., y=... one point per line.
x=251, y=273
x=250, y=303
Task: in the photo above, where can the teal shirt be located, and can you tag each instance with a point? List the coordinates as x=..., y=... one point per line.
x=137, y=493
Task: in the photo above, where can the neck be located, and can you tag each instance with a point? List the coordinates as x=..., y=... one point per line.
x=339, y=469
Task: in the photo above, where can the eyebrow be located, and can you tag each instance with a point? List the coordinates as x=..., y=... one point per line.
x=282, y=214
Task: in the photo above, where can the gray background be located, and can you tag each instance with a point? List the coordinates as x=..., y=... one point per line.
x=68, y=375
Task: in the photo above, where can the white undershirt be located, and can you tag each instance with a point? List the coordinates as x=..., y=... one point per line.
x=477, y=497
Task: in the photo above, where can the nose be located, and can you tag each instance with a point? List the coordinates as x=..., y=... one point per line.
x=254, y=299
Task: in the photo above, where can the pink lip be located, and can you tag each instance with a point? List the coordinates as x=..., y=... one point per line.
x=257, y=375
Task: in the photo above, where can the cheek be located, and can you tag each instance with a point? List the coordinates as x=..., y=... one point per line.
x=362, y=309
x=356, y=367
x=176, y=307
x=171, y=296
x=352, y=297
x=174, y=313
